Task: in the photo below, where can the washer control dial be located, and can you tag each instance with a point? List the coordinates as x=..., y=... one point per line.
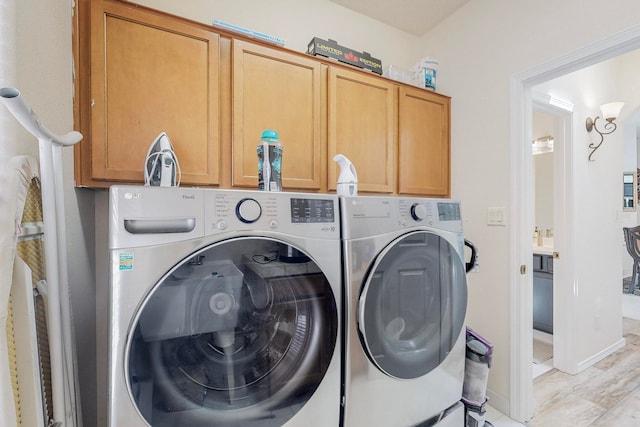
x=248, y=210
x=418, y=212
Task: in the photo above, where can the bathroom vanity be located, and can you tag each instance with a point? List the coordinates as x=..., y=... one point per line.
x=543, y=290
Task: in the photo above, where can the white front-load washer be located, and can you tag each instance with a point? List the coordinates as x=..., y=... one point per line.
x=406, y=300
x=225, y=308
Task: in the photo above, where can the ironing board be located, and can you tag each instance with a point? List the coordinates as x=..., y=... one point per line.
x=64, y=381
x=15, y=180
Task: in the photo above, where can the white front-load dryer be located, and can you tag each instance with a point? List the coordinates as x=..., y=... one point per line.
x=406, y=300
x=225, y=308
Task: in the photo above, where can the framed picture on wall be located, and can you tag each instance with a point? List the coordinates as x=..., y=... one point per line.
x=630, y=191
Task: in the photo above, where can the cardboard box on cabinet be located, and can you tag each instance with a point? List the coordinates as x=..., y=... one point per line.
x=331, y=49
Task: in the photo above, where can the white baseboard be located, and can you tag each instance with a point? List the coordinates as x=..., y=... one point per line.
x=498, y=402
x=601, y=355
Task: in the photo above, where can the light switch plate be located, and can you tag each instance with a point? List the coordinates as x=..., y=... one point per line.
x=496, y=216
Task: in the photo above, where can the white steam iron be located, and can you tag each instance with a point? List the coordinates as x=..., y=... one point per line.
x=161, y=167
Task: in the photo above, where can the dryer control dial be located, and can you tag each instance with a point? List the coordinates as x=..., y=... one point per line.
x=418, y=212
x=248, y=210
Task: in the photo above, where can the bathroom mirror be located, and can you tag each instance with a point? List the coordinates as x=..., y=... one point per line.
x=629, y=193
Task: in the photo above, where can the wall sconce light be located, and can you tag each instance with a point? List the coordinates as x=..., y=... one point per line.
x=610, y=112
x=542, y=145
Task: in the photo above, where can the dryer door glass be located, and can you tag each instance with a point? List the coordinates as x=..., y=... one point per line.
x=413, y=304
x=233, y=336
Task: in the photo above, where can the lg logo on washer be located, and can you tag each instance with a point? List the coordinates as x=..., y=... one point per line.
x=132, y=196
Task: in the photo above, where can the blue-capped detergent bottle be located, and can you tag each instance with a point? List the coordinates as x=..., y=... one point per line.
x=269, y=161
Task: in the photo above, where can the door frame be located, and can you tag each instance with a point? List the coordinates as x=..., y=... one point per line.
x=521, y=298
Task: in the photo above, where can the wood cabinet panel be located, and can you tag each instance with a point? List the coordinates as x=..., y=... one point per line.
x=361, y=125
x=151, y=74
x=423, y=143
x=276, y=90
x=142, y=72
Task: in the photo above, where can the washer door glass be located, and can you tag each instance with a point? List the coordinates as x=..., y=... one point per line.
x=232, y=336
x=412, y=305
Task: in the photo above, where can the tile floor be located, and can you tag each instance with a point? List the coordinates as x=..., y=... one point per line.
x=542, y=368
x=606, y=394
x=542, y=353
x=498, y=419
x=631, y=306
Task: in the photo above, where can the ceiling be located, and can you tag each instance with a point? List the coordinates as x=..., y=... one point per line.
x=412, y=16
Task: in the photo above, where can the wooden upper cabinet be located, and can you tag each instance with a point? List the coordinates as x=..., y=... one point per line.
x=141, y=72
x=152, y=74
x=361, y=125
x=423, y=143
x=276, y=90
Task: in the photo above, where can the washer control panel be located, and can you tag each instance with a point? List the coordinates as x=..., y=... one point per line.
x=143, y=216
x=291, y=213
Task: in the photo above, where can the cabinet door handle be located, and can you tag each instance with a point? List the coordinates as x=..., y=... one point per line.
x=556, y=255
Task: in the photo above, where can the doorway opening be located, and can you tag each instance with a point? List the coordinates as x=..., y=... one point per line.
x=551, y=149
x=521, y=383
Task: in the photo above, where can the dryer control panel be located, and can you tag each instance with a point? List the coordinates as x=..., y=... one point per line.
x=389, y=214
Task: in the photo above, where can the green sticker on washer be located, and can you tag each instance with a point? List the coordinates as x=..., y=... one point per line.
x=126, y=261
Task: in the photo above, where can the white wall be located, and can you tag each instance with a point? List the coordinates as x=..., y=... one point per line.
x=8, y=125
x=297, y=22
x=543, y=126
x=543, y=190
x=479, y=49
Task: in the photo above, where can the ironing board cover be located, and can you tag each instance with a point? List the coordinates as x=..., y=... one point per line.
x=16, y=176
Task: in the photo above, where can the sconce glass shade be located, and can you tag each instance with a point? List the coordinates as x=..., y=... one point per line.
x=611, y=111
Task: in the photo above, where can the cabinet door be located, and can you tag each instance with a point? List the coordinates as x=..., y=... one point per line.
x=423, y=143
x=362, y=127
x=538, y=262
x=543, y=302
x=151, y=74
x=276, y=90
